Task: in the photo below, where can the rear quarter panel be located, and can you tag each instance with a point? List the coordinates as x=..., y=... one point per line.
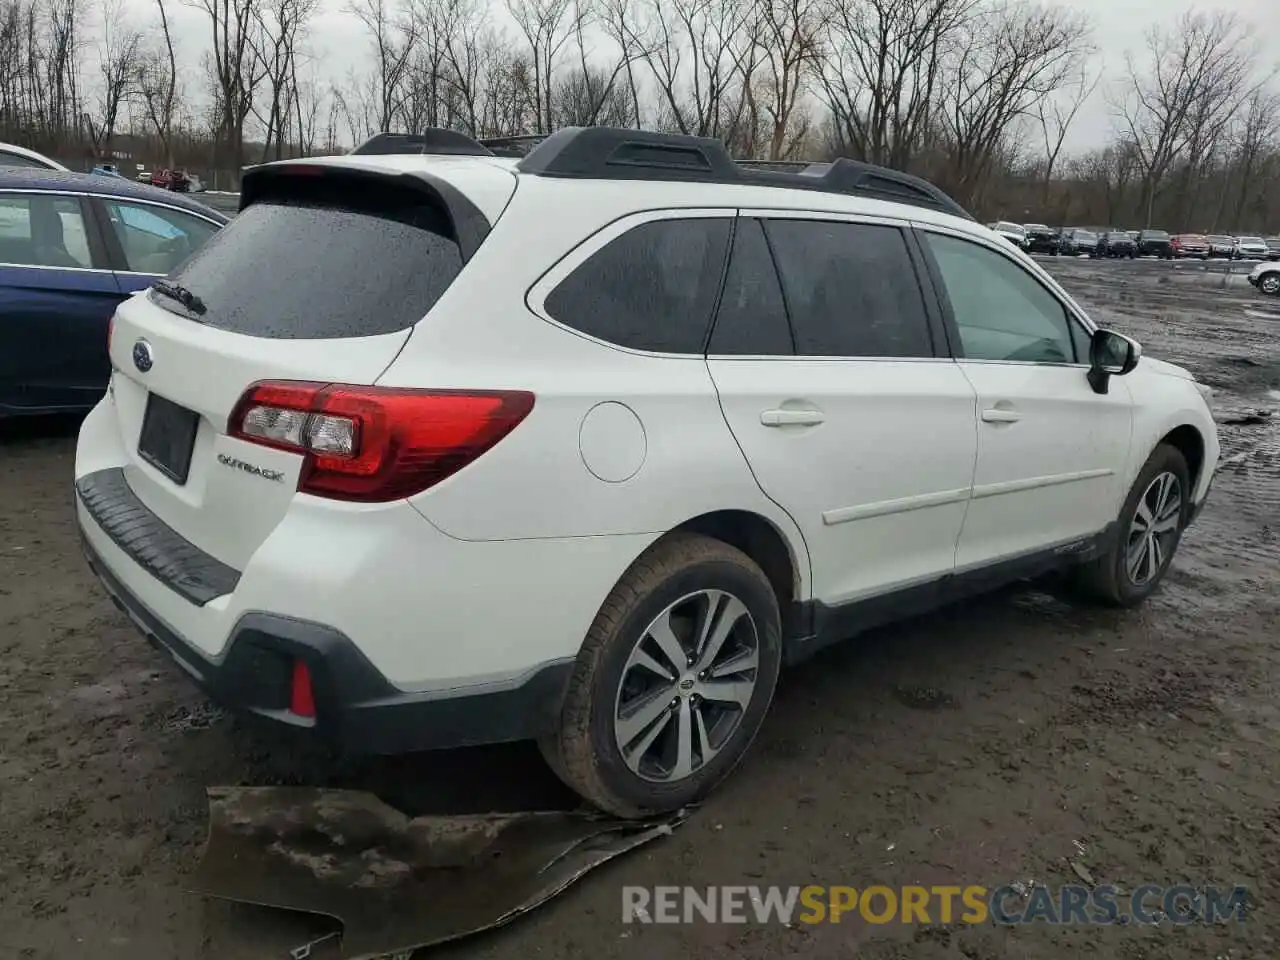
x=535, y=483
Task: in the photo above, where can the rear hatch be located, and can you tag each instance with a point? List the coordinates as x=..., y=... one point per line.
x=319, y=279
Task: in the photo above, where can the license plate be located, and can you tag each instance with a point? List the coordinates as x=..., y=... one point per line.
x=168, y=437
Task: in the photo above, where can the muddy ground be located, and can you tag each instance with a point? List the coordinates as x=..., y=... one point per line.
x=980, y=745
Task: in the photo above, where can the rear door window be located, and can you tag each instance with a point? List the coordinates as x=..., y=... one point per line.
x=851, y=289
x=156, y=239
x=293, y=269
x=653, y=288
x=752, y=319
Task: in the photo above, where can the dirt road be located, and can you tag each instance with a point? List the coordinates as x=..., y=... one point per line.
x=980, y=745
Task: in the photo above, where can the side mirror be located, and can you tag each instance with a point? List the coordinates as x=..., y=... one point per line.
x=1111, y=354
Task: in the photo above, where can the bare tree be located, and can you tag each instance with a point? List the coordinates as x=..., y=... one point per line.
x=1005, y=60
x=882, y=72
x=547, y=25
x=236, y=73
x=280, y=24
x=789, y=42
x=697, y=52
x=1190, y=78
x=156, y=85
x=1055, y=114
x=395, y=38
x=119, y=56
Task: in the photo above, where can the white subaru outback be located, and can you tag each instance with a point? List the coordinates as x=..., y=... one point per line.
x=431, y=447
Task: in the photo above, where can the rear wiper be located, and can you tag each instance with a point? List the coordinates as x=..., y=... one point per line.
x=181, y=294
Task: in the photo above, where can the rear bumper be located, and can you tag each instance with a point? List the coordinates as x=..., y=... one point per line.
x=357, y=709
x=163, y=582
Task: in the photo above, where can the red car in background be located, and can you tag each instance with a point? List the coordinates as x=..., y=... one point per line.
x=175, y=180
x=1190, y=245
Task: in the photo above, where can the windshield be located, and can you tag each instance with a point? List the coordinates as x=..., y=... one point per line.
x=1252, y=241
x=1009, y=227
x=1155, y=234
x=1039, y=227
x=1217, y=239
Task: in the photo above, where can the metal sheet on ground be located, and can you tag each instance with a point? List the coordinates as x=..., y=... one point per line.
x=394, y=883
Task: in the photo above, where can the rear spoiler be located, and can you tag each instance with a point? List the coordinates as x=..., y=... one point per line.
x=299, y=179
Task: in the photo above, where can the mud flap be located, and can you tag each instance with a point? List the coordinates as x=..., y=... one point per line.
x=394, y=883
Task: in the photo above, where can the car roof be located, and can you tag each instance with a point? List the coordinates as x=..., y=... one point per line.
x=66, y=181
x=13, y=148
x=487, y=182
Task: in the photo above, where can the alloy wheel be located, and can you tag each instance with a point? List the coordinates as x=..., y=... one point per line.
x=1154, y=528
x=686, y=686
x=1270, y=283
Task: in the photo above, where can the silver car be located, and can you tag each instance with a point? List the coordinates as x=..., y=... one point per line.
x=1250, y=248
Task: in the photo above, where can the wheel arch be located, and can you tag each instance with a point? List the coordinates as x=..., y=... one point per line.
x=1188, y=441
x=784, y=563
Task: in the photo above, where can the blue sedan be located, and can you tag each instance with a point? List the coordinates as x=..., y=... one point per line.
x=72, y=246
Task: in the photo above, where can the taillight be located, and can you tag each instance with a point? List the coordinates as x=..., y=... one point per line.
x=373, y=444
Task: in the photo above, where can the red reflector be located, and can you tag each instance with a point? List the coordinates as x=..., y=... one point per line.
x=301, y=699
x=374, y=444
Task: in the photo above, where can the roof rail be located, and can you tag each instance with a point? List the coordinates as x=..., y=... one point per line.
x=433, y=140
x=517, y=146
x=607, y=153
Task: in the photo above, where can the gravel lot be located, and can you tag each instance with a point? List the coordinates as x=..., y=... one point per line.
x=975, y=746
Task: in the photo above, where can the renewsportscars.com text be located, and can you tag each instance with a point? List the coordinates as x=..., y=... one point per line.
x=1149, y=904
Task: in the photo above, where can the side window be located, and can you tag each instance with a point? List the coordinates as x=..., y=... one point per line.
x=752, y=320
x=1002, y=311
x=15, y=160
x=156, y=239
x=41, y=230
x=851, y=289
x=653, y=288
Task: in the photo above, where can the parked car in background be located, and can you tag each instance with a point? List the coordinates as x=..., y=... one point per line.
x=1154, y=243
x=1015, y=233
x=1249, y=248
x=12, y=155
x=72, y=247
x=1041, y=238
x=1266, y=277
x=1116, y=243
x=1273, y=248
x=106, y=170
x=1190, y=245
x=1220, y=245
x=307, y=498
x=1073, y=241
x=175, y=180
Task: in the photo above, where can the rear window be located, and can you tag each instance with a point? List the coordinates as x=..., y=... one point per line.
x=307, y=270
x=1155, y=234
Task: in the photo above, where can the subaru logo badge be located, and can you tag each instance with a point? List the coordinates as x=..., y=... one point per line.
x=143, y=358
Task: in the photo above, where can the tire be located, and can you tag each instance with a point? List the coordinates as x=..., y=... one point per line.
x=674, y=582
x=1270, y=283
x=1109, y=578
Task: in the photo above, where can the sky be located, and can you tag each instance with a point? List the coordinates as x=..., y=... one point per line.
x=339, y=43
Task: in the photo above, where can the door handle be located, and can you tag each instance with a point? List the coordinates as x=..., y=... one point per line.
x=788, y=418
x=1000, y=415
